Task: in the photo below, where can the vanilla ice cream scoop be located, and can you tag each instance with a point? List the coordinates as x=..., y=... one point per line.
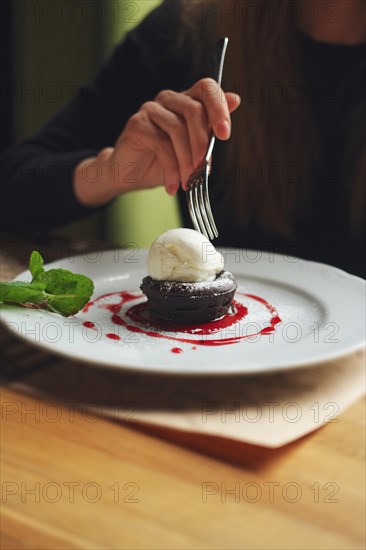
x=183, y=255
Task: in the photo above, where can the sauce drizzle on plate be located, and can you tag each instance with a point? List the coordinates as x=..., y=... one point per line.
x=137, y=319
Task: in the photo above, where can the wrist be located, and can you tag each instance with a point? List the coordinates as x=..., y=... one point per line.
x=93, y=181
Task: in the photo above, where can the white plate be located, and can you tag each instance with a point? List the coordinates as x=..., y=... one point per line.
x=322, y=311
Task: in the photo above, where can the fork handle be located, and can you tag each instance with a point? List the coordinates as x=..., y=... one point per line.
x=221, y=47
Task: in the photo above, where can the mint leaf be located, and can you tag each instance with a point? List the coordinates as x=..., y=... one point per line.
x=58, y=290
x=21, y=293
x=36, y=266
x=67, y=292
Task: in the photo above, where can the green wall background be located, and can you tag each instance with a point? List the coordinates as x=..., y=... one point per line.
x=139, y=216
x=58, y=46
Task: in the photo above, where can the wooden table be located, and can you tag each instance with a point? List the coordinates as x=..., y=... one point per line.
x=69, y=482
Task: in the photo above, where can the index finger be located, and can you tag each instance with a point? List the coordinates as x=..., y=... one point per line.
x=211, y=95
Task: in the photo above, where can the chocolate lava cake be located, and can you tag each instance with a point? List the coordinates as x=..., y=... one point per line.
x=190, y=303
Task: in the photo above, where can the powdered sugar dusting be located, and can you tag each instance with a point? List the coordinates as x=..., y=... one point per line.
x=223, y=282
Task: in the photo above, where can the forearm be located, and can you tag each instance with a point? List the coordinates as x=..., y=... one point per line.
x=37, y=189
x=49, y=181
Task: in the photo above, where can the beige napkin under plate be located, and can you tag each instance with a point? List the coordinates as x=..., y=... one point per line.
x=269, y=410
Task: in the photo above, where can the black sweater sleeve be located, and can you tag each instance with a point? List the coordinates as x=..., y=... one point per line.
x=36, y=176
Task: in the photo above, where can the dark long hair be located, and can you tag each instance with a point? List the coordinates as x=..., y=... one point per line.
x=271, y=156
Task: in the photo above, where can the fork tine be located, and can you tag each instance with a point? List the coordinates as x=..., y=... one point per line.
x=196, y=204
x=202, y=203
x=199, y=204
x=209, y=214
x=191, y=209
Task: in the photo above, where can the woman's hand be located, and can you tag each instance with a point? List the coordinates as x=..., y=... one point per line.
x=161, y=144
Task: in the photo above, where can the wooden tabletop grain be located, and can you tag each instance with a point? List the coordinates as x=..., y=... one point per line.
x=69, y=482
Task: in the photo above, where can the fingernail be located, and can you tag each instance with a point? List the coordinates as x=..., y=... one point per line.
x=223, y=129
x=172, y=188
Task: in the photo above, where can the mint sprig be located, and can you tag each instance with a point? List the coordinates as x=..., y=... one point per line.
x=57, y=290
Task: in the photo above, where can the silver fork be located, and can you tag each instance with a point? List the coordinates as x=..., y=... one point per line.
x=197, y=187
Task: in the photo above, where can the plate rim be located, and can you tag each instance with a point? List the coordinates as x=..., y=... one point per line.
x=318, y=267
